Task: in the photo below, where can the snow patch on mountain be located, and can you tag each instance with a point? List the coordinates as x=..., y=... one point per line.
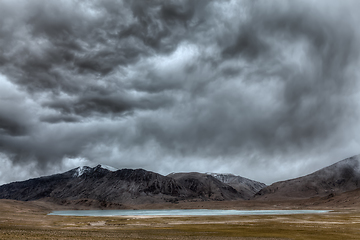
x=81, y=170
x=84, y=169
x=110, y=168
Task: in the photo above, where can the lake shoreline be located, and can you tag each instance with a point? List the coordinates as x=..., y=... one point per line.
x=181, y=212
x=20, y=220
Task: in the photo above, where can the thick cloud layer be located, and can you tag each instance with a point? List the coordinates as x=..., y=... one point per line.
x=220, y=86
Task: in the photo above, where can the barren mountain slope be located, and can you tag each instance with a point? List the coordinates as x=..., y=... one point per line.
x=205, y=186
x=122, y=186
x=106, y=187
x=245, y=186
x=340, y=177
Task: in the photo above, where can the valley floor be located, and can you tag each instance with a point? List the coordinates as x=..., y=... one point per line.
x=29, y=220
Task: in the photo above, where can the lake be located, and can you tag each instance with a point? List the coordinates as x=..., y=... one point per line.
x=181, y=212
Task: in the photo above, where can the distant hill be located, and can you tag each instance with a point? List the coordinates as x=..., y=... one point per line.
x=204, y=186
x=338, y=178
x=244, y=186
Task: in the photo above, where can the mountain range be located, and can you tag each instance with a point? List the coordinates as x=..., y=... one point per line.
x=111, y=187
x=126, y=186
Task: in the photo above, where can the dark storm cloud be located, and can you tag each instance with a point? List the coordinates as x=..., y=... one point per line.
x=11, y=126
x=130, y=83
x=114, y=103
x=94, y=41
x=14, y=119
x=307, y=99
x=59, y=118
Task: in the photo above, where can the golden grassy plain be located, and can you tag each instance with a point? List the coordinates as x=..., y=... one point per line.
x=29, y=220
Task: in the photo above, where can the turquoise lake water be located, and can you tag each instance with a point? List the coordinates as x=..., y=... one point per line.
x=181, y=212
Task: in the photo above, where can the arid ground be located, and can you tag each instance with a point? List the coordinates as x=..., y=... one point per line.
x=29, y=220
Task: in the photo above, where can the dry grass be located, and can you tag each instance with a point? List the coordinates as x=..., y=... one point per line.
x=19, y=220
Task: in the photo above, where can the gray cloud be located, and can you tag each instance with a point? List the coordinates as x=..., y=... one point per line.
x=59, y=118
x=234, y=86
x=107, y=102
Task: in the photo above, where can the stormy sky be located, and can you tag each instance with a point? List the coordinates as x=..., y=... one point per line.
x=263, y=89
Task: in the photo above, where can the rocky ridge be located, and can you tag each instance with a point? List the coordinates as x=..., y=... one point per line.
x=125, y=186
